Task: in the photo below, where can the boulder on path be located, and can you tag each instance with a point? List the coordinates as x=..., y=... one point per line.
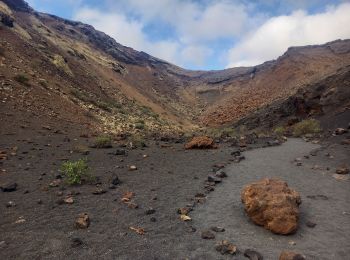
x=201, y=142
x=272, y=204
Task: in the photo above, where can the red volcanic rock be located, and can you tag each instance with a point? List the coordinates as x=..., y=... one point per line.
x=201, y=142
x=272, y=204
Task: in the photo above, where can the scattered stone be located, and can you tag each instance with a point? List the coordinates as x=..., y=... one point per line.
x=184, y=211
x=280, y=212
x=150, y=211
x=115, y=180
x=221, y=174
x=76, y=242
x=139, y=231
x=132, y=168
x=119, y=152
x=201, y=142
x=185, y=218
x=225, y=247
x=39, y=201
x=292, y=243
x=340, y=131
x=345, y=142
x=153, y=219
x=99, y=191
x=83, y=221
x=341, y=177
x=10, y=204
x=217, y=229
x=238, y=159
x=236, y=152
x=299, y=164
x=289, y=255
x=253, y=255
x=20, y=220
x=9, y=187
x=310, y=224
x=342, y=170
x=273, y=143
x=69, y=200
x=214, y=179
x=132, y=205
x=55, y=183
x=127, y=196
x=207, y=235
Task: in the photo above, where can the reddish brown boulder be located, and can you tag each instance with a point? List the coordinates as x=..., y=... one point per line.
x=201, y=142
x=272, y=204
x=289, y=255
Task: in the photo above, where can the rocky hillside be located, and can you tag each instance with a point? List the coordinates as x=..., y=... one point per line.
x=65, y=71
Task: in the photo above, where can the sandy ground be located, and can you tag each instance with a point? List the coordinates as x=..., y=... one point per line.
x=167, y=179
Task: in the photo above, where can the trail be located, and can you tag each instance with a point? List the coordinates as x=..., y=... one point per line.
x=328, y=240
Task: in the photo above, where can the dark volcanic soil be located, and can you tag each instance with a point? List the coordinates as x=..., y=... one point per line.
x=39, y=228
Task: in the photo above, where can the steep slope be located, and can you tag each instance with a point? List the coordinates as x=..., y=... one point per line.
x=52, y=67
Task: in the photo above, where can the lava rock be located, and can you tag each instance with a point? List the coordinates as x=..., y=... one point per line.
x=289, y=255
x=225, y=247
x=115, y=180
x=150, y=211
x=76, y=242
x=272, y=204
x=253, y=255
x=83, y=221
x=217, y=229
x=207, y=235
x=9, y=187
x=236, y=152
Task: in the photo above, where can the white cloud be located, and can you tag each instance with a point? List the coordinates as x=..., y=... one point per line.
x=273, y=37
x=130, y=33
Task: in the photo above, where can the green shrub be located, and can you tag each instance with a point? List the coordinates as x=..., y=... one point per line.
x=76, y=172
x=279, y=131
x=309, y=126
x=23, y=79
x=103, y=141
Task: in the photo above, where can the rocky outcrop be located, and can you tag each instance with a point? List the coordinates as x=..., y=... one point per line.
x=201, y=142
x=18, y=5
x=272, y=204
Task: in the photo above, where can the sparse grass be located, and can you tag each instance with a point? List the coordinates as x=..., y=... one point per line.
x=103, y=141
x=138, y=140
x=279, y=131
x=23, y=79
x=76, y=171
x=80, y=148
x=140, y=125
x=308, y=126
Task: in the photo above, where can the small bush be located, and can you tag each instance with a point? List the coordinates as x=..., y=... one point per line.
x=279, y=131
x=103, y=105
x=309, y=126
x=103, y=141
x=23, y=79
x=138, y=141
x=76, y=172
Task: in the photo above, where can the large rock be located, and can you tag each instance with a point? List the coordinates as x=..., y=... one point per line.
x=272, y=204
x=201, y=142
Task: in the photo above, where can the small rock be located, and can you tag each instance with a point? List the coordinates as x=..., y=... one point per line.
x=153, y=219
x=214, y=179
x=120, y=152
x=292, y=243
x=201, y=142
x=225, y=247
x=185, y=218
x=217, y=229
x=76, y=242
x=10, y=204
x=221, y=174
x=289, y=255
x=340, y=131
x=150, y=211
x=55, y=183
x=9, y=187
x=132, y=205
x=342, y=170
x=39, y=201
x=132, y=168
x=341, y=177
x=299, y=164
x=253, y=255
x=99, y=191
x=236, y=152
x=83, y=221
x=207, y=235
x=115, y=180
x=20, y=220
x=184, y=211
x=69, y=200
x=310, y=224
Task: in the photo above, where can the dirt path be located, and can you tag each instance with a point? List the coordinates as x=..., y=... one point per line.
x=328, y=240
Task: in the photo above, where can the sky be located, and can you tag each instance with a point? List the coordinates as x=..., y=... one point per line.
x=210, y=34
